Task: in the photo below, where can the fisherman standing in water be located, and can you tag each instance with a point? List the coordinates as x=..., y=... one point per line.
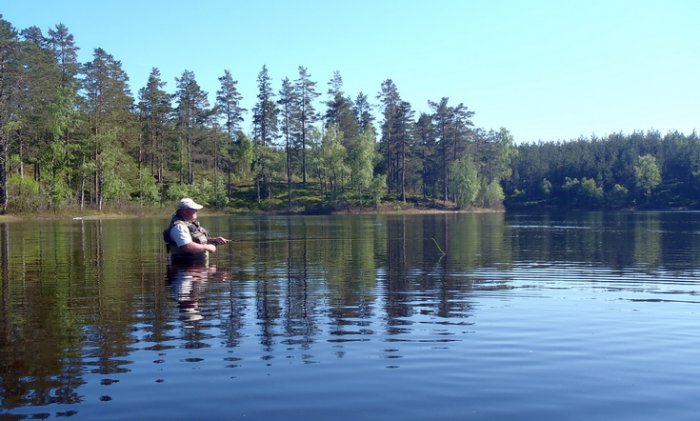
x=186, y=239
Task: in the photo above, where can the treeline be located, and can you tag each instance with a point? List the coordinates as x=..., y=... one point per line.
x=641, y=170
x=72, y=135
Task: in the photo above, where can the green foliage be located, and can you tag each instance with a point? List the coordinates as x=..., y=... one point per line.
x=334, y=171
x=116, y=189
x=571, y=184
x=492, y=195
x=378, y=189
x=242, y=156
x=24, y=194
x=647, y=174
x=496, y=153
x=363, y=156
x=617, y=197
x=85, y=142
x=177, y=191
x=148, y=190
x=203, y=190
x=218, y=194
x=116, y=170
x=590, y=192
x=59, y=191
x=61, y=113
x=464, y=181
x=627, y=161
x=545, y=187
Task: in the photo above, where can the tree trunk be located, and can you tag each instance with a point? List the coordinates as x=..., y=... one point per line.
x=444, y=170
x=3, y=174
x=403, y=171
x=289, y=176
x=303, y=153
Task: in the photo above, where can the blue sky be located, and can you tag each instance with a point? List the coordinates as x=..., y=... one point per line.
x=545, y=70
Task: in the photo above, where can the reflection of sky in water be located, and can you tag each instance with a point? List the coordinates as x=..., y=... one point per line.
x=362, y=320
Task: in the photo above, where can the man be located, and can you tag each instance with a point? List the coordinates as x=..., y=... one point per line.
x=187, y=239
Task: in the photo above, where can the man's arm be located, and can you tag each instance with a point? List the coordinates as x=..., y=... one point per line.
x=194, y=248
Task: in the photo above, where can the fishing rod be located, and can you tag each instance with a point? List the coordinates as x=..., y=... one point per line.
x=279, y=240
x=288, y=240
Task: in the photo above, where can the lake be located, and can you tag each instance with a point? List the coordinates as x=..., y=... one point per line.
x=527, y=316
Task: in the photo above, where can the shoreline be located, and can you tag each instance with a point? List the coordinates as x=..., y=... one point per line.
x=388, y=210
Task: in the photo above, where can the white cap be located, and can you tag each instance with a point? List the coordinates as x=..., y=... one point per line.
x=187, y=203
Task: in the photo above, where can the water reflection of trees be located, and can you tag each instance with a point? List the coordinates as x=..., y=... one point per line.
x=358, y=270
x=625, y=242
x=78, y=298
x=66, y=309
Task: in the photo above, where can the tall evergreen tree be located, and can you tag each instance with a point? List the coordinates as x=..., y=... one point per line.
x=62, y=44
x=363, y=112
x=425, y=135
x=36, y=89
x=264, y=131
x=65, y=52
x=452, y=125
x=397, y=136
x=288, y=109
x=405, y=139
x=108, y=104
x=155, y=108
x=340, y=112
x=305, y=95
x=9, y=75
x=228, y=103
x=192, y=113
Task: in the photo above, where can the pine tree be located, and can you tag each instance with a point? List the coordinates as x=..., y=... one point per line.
x=405, y=142
x=228, y=106
x=264, y=131
x=340, y=112
x=40, y=81
x=228, y=102
x=9, y=76
x=192, y=114
x=452, y=133
x=65, y=116
x=397, y=136
x=288, y=109
x=425, y=135
x=305, y=95
x=363, y=112
x=63, y=46
x=154, y=108
x=108, y=103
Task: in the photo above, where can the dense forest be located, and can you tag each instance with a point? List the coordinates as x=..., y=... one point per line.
x=641, y=170
x=73, y=136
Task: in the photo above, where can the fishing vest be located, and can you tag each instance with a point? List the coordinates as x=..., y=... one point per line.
x=198, y=233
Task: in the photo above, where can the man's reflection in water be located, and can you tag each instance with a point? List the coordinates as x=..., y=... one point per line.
x=187, y=281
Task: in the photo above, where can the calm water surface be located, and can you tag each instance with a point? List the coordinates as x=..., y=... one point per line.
x=441, y=317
